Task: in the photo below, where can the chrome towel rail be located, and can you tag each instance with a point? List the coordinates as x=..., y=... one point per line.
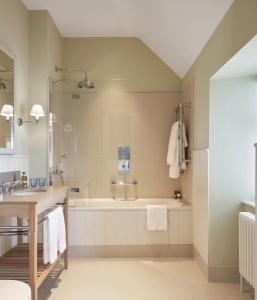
x=13, y=230
x=180, y=117
x=54, y=206
x=22, y=230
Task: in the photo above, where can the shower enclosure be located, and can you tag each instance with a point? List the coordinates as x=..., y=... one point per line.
x=76, y=136
x=88, y=128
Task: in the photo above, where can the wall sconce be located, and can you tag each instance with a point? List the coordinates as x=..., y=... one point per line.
x=7, y=111
x=37, y=112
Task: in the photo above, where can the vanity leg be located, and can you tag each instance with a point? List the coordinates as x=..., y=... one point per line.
x=20, y=237
x=66, y=253
x=33, y=251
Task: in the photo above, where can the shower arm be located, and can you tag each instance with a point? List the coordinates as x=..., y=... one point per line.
x=58, y=69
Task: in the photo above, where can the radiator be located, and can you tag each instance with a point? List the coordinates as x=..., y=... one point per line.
x=247, y=248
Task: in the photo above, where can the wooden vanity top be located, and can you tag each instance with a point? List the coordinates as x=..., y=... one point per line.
x=42, y=200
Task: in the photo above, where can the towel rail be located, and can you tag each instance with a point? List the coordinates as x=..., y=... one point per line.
x=22, y=230
x=13, y=230
x=180, y=117
x=56, y=205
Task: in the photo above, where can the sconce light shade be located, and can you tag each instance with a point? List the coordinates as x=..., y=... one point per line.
x=37, y=111
x=7, y=111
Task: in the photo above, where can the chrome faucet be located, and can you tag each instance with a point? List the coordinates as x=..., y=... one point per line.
x=8, y=188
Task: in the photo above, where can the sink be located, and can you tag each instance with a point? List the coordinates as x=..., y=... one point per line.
x=28, y=192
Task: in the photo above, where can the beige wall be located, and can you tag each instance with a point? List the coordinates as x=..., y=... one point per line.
x=103, y=121
x=128, y=59
x=14, y=33
x=45, y=52
x=135, y=110
x=235, y=30
x=14, y=39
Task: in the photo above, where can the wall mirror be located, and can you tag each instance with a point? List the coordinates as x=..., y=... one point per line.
x=6, y=103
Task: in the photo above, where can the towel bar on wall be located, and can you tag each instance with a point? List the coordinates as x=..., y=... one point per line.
x=180, y=117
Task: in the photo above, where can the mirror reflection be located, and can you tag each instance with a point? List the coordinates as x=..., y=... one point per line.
x=6, y=101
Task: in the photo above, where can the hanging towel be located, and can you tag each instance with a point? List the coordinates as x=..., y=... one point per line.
x=54, y=237
x=156, y=217
x=183, y=165
x=50, y=237
x=173, y=150
x=61, y=230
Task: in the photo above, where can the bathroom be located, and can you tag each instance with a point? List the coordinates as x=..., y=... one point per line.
x=109, y=93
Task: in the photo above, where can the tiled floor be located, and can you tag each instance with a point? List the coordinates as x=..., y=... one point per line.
x=112, y=279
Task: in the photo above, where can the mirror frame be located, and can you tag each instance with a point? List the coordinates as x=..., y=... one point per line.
x=5, y=151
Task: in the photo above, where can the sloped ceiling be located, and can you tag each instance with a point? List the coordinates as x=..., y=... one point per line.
x=175, y=30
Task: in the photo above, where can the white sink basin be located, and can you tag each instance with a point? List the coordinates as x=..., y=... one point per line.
x=28, y=192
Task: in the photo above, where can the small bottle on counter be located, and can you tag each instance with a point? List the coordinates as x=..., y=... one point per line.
x=24, y=180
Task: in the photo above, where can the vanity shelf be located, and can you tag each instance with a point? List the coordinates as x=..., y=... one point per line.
x=14, y=264
x=24, y=261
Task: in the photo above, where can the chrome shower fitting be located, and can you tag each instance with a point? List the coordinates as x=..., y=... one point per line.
x=83, y=84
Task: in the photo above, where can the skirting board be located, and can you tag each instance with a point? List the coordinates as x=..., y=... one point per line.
x=223, y=274
x=131, y=251
x=201, y=262
x=217, y=274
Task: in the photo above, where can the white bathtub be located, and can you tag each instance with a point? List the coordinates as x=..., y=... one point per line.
x=106, y=227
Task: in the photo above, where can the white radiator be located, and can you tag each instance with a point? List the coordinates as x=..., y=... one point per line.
x=247, y=247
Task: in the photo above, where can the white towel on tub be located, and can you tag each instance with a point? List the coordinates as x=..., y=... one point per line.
x=157, y=216
x=54, y=236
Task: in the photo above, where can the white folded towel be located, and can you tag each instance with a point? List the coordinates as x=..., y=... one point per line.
x=173, y=150
x=61, y=232
x=54, y=235
x=50, y=237
x=157, y=216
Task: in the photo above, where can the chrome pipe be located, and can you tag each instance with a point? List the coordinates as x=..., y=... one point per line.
x=14, y=227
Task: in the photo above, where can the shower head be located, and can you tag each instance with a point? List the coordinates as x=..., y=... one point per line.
x=2, y=85
x=86, y=84
x=83, y=84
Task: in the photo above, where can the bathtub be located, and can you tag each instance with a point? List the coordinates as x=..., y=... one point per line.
x=110, y=228
x=172, y=204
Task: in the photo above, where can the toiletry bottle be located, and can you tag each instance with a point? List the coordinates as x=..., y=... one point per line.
x=179, y=195
x=24, y=180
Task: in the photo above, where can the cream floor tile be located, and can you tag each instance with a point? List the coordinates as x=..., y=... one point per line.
x=112, y=279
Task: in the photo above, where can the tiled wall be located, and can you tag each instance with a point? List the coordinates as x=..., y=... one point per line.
x=103, y=121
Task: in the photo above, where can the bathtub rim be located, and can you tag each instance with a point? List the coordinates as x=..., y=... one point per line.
x=181, y=207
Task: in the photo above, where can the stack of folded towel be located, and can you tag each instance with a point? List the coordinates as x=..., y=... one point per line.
x=54, y=237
